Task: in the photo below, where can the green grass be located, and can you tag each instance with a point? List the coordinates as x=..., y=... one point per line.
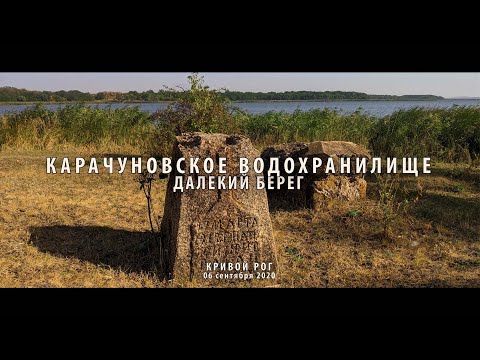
x=451, y=135
x=326, y=124
x=76, y=126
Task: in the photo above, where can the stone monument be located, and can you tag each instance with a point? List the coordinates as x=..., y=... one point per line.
x=319, y=190
x=203, y=227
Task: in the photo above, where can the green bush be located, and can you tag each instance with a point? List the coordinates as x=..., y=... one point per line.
x=197, y=109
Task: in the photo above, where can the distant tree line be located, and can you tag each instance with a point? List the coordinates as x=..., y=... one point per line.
x=319, y=95
x=11, y=94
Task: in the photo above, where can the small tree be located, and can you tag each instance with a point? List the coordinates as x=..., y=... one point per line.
x=391, y=207
x=145, y=179
x=198, y=108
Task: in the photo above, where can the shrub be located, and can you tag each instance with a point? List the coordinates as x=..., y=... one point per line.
x=198, y=109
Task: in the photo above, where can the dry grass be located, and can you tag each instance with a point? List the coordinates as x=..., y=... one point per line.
x=91, y=231
x=71, y=230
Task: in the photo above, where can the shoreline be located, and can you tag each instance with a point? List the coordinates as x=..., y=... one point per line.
x=33, y=103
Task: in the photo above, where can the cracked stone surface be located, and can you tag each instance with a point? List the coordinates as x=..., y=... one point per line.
x=214, y=226
x=318, y=190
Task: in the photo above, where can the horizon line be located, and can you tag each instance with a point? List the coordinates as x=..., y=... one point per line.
x=242, y=91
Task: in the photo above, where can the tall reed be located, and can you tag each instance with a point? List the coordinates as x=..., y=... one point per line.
x=38, y=128
x=451, y=134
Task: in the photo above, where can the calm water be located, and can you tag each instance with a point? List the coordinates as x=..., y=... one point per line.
x=379, y=108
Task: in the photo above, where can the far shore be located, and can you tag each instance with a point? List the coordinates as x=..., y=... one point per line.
x=233, y=102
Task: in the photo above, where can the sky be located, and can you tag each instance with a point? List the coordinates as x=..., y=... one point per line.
x=442, y=84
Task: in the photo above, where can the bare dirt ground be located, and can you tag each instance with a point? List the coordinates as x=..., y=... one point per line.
x=92, y=231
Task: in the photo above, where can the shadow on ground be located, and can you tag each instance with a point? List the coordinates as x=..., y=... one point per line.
x=128, y=251
x=468, y=175
x=456, y=213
